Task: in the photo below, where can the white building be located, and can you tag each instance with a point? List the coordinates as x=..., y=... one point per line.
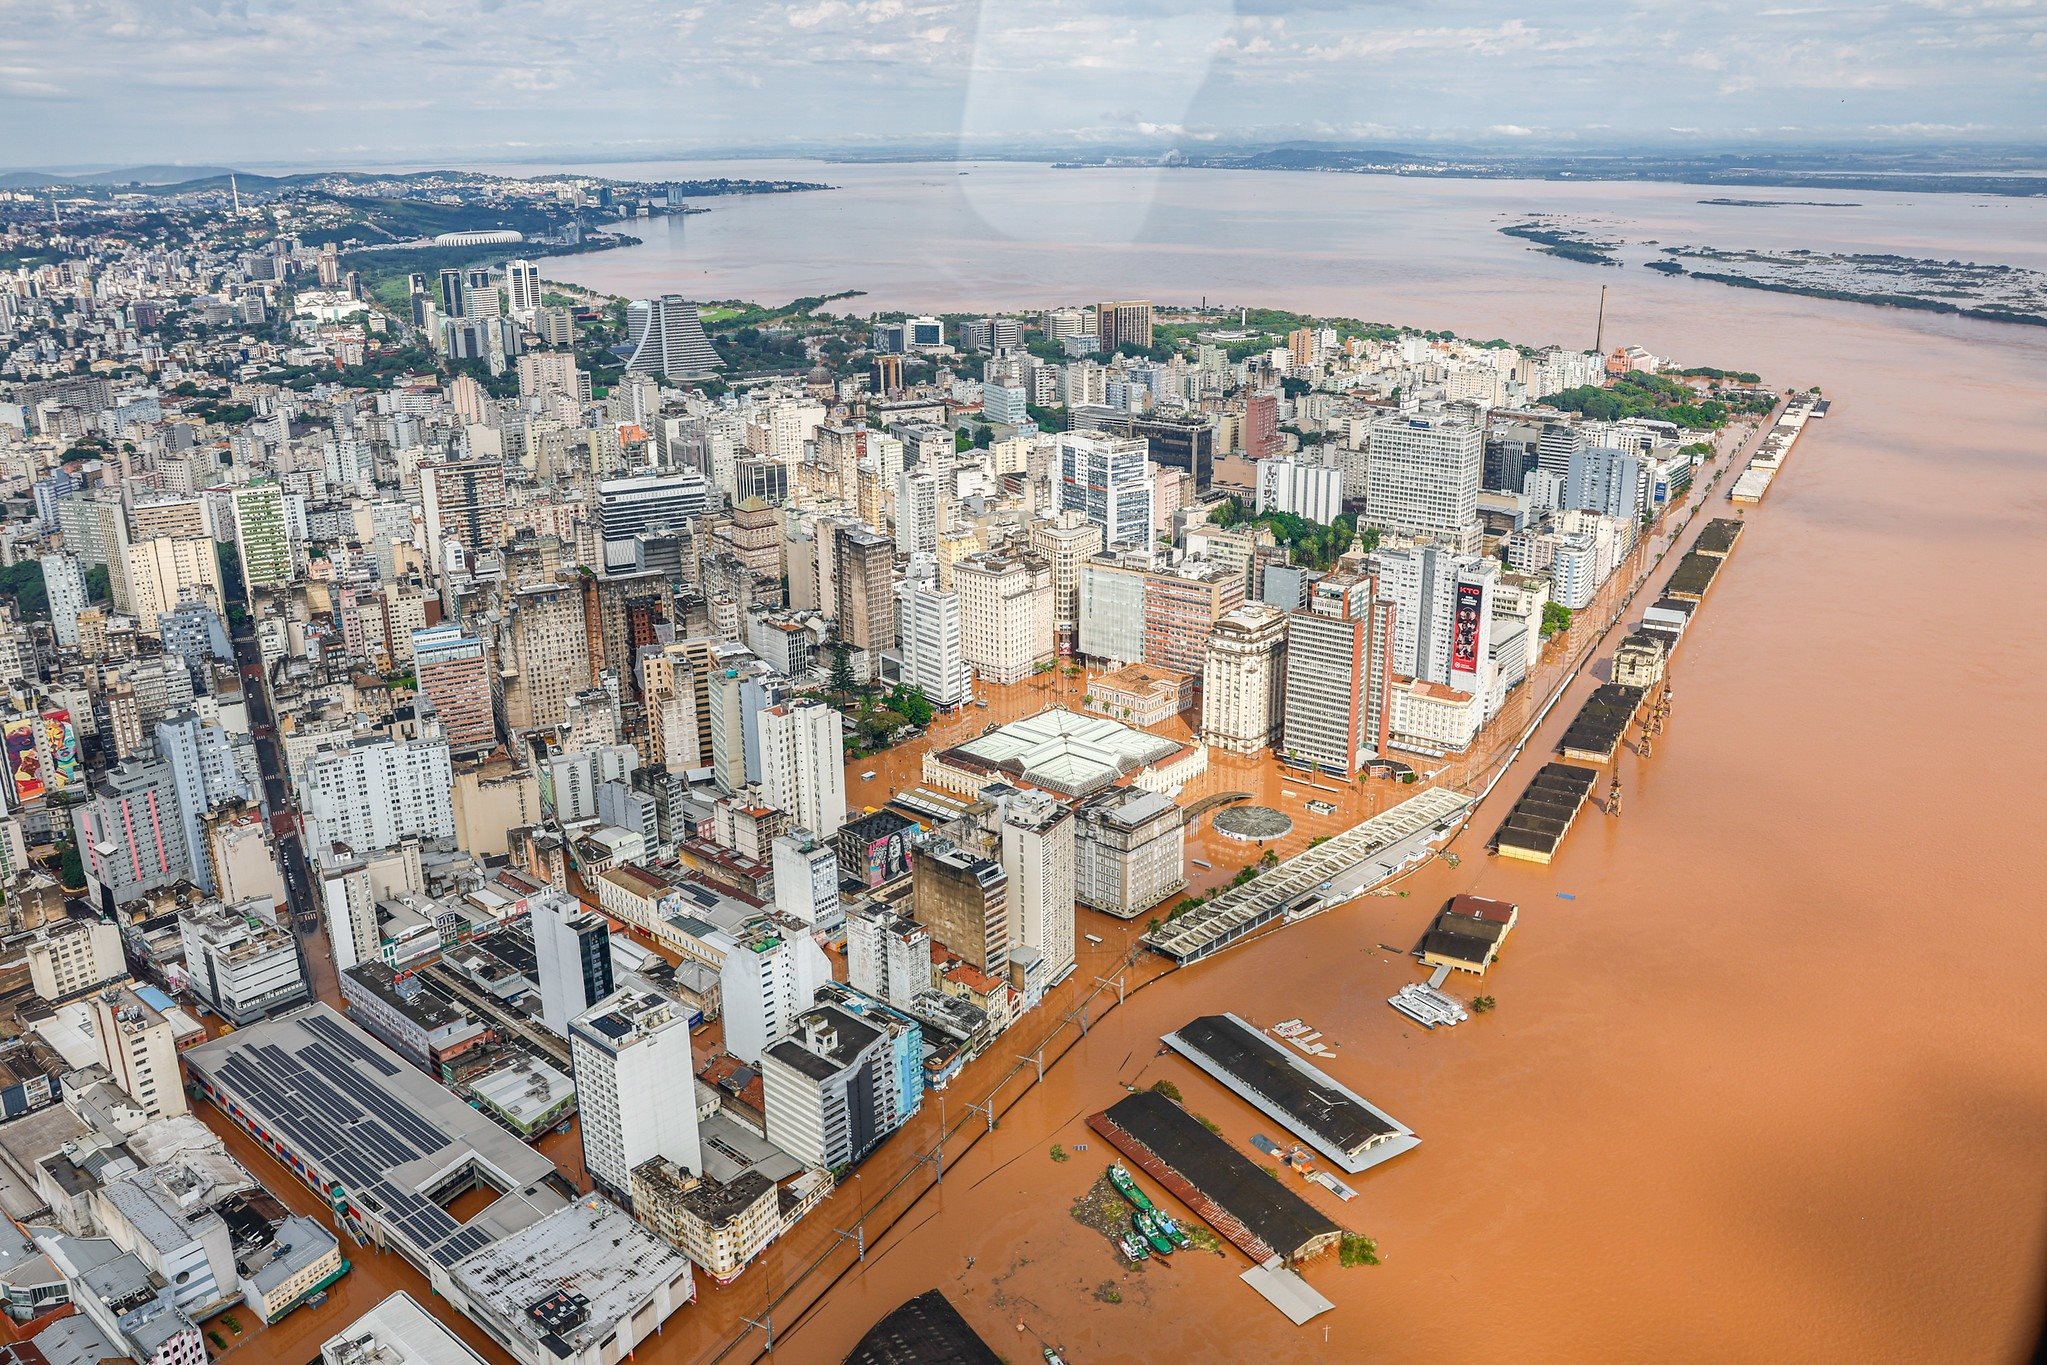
x=572, y=954
x=374, y=791
x=888, y=955
x=1037, y=856
x=1005, y=614
x=1422, y=476
x=771, y=974
x=807, y=880
x=803, y=764
x=64, y=585
x=635, y=1088
x=930, y=637
x=1304, y=490
x=69, y=957
x=241, y=964
x=262, y=536
x=1108, y=479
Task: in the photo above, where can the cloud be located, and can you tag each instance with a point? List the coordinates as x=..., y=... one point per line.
x=302, y=80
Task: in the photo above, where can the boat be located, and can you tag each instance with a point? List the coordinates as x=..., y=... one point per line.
x=1128, y=1188
x=1148, y=1228
x=1052, y=1357
x=1134, y=1248
x=1181, y=1241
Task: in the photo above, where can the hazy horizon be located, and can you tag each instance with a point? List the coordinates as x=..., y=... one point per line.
x=116, y=83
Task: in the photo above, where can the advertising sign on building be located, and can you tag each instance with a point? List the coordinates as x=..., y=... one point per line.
x=1464, y=634
x=887, y=859
x=61, y=737
x=24, y=758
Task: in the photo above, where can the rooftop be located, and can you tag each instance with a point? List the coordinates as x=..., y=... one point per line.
x=1063, y=750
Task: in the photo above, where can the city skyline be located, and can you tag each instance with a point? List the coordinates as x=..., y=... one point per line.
x=113, y=83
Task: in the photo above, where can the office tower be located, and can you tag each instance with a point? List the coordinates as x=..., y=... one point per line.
x=667, y=337
x=167, y=571
x=807, y=880
x=1005, y=615
x=1611, y=482
x=1261, y=426
x=1127, y=323
x=131, y=833
x=452, y=298
x=963, y=899
x=930, y=638
x=922, y=509
x=635, y=1088
x=522, y=288
x=803, y=764
x=572, y=955
x=205, y=776
x=1036, y=834
x=1005, y=404
x=243, y=967
x=1108, y=479
x=1174, y=441
x=643, y=505
x=454, y=675
x=1181, y=607
x=375, y=791
x=348, y=892
x=1296, y=487
x=1243, y=680
x=462, y=501
x=840, y=1084
x=262, y=537
x=557, y=327
x=1339, y=676
x=769, y=977
x=1066, y=542
x=864, y=571
x=1555, y=447
x=64, y=585
x=1423, y=476
x=1060, y=323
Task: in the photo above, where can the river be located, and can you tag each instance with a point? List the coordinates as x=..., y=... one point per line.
x=1772, y=1085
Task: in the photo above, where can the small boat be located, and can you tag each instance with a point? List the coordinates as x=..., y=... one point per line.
x=1134, y=1248
x=1180, y=1239
x=1052, y=1357
x=1128, y=1188
x=1147, y=1227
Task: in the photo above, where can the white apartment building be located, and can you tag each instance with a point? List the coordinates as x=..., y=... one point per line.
x=1301, y=489
x=635, y=1088
x=771, y=974
x=1109, y=480
x=1422, y=476
x=68, y=957
x=807, y=880
x=374, y=791
x=164, y=571
x=140, y=1053
x=1005, y=614
x=931, y=639
x=803, y=764
x=1037, y=855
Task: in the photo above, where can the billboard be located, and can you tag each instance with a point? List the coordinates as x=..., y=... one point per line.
x=888, y=858
x=24, y=758
x=61, y=742
x=1464, y=633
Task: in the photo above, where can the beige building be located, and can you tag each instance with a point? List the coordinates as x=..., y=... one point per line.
x=719, y=1226
x=1065, y=542
x=72, y=956
x=491, y=799
x=140, y=1052
x=1005, y=615
x=550, y=656
x=1243, y=680
x=163, y=570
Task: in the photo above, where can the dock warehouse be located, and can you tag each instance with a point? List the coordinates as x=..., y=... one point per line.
x=1339, y=1123
x=1537, y=824
x=1260, y=1216
x=1601, y=722
x=1467, y=934
x=1718, y=538
x=1694, y=576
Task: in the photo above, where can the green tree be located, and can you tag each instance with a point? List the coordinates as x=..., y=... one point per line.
x=841, y=678
x=1556, y=618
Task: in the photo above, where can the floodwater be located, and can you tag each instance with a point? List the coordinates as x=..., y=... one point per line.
x=1772, y=1086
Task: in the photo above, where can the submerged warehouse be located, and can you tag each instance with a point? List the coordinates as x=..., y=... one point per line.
x=1601, y=723
x=1337, y=1122
x=1535, y=827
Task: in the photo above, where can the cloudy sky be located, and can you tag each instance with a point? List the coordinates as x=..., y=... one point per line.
x=132, y=81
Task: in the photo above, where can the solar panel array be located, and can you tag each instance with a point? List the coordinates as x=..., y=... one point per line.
x=350, y=1130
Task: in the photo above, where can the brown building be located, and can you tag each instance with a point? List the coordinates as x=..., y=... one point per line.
x=865, y=581
x=962, y=900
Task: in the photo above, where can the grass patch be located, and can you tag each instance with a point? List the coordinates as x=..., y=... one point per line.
x=1105, y=1292
x=1210, y=1124
x=1168, y=1089
x=1357, y=1249
x=1203, y=1239
x=1058, y=1152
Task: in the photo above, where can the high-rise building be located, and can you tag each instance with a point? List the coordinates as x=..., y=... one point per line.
x=1005, y=615
x=462, y=501
x=803, y=764
x=1108, y=479
x=667, y=337
x=771, y=975
x=169, y=570
x=64, y=585
x=453, y=295
x=645, y=505
x=1129, y=851
x=1261, y=426
x=931, y=639
x=1423, y=476
x=140, y=1053
x=888, y=954
x=68, y=957
x=550, y=656
x=242, y=966
x=1036, y=835
x=840, y=1084
x=807, y=880
x=1300, y=489
x=864, y=576
x=1243, y=680
x=131, y=833
x=375, y=791
x=1339, y=676
x=1125, y=323
x=1444, y=603
x=454, y=674
x=1066, y=542
x=262, y=537
x=205, y=774
x=963, y=899
x=635, y=1088
x=572, y=956
x=522, y=288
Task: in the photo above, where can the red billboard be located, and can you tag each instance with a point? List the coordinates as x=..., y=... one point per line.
x=1464, y=633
